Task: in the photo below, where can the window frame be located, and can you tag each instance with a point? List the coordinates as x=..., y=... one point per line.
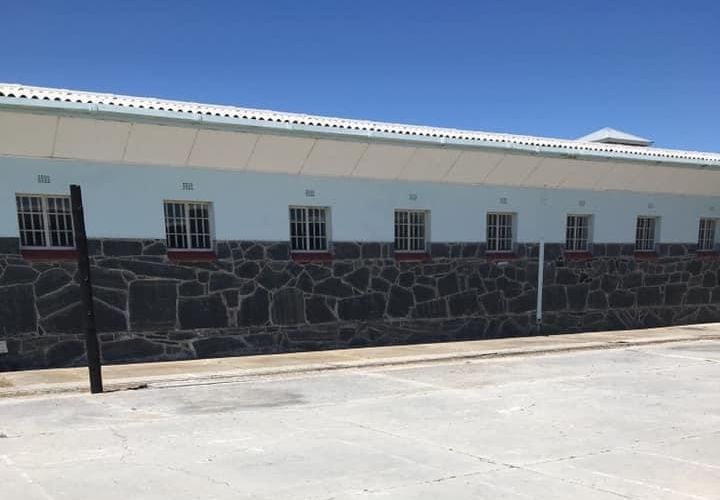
x=47, y=231
x=589, y=232
x=307, y=236
x=408, y=238
x=188, y=234
x=713, y=235
x=655, y=234
x=497, y=239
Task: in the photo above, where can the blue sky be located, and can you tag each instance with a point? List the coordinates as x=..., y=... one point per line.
x=556, y=68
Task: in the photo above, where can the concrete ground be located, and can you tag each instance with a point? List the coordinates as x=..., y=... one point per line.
x=634, y=422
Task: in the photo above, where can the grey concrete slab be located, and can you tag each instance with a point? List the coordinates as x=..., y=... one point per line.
x=640, y=422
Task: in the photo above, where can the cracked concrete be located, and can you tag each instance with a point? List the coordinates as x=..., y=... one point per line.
x=640, y=422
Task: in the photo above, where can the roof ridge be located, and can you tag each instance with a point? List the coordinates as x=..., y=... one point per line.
x=568, y=146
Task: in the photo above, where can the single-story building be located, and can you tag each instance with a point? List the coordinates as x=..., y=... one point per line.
x=217, y=230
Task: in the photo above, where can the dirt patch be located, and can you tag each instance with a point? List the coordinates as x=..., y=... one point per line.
x=5, y=382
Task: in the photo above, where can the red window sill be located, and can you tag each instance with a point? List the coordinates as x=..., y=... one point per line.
x=571, y=255
x=49, y=254
x=646, y=255
x=414, y=256
x=707, y=254
x=500, y=255
x=191, y=256
x=311, y=257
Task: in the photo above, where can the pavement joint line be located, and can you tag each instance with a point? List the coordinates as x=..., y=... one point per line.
x=236, y=376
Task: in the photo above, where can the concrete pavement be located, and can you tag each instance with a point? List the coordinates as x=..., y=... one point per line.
x=640, y=422
x=118, y=377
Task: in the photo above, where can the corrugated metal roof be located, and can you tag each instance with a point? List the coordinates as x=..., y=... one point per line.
x=18, y=93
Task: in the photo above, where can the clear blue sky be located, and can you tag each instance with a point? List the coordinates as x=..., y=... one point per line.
x=557, y=68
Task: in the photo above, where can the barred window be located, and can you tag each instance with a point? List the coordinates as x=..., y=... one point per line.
x=187, y=225
x=309, y=229
x=706, y=234
x=45, y=221
x=645, y=234
x=411, y=230
x=499, y=232
x=577, y=233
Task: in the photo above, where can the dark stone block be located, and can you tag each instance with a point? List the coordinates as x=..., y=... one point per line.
x=17, y=309
x=359, y=278
x=60, y=299
x=597, y=300
x=364, y=307
x=715, y=298
x=65, y=353
x=526, y=302
x=202, y=312
x=439, y=250
x=223, y=281
x=448, y=285
x=271, y=279
x=342, y=268
x=218, y=346
x=122, y=248
x=554, y=298
x=288, y=307
x=191, y=289
x=399, y=303
x=15, y=275
x=222, y=250
x=151, y=269
x=674, y=294
x=577, y=296
x=709, y=279
x=621, y=298
x=9, y=246
x=333, y=287
x=390, y=274
x=317, y=311
x=279, y=251
x=254, y=310
x=345, y=250
x=371, y=250
x=423, y=293
x=153, y=304
x=379, y=285
x=708, y=315
x=433, y=309
x=406, y=279
x=115, y=298
x=231, y=298
x=565, y=276
x=255, y=252
x=51, y=280
x=697, y=296
x=632, y=280
x=609, y=283
x=108, y=278
x=155, y=248
x=469, y=250
x=510, y=288
x=130, y=350
x=304, y=282
x=649, y=296
x=463, y=303
x=318, y=273
x=492, y=302
x=247, y=270
x=70, y=320
x=693, y=267
x=656, y=279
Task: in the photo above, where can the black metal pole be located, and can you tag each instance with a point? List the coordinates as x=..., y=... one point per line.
x=91, y=341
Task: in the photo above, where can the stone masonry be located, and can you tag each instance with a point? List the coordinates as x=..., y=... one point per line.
x=253, y=298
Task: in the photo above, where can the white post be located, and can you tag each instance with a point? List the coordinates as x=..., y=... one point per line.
x=540, y=277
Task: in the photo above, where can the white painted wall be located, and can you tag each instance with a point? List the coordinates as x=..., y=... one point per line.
x=123, y=201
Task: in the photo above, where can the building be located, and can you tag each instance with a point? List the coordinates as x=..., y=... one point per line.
x=217, y=230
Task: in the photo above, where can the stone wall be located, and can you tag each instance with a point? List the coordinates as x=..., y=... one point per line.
x=254, y=299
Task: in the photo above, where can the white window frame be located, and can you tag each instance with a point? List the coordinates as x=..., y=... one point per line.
x=646, y=239
x=707, y=236
x=188, y=233
x=307, y=237
x=575, y=242
x=47, y=232
x=494, y=241
x=408, y=239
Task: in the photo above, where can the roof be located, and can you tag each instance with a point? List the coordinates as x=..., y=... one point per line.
x=609, y=135
x=15, y=95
